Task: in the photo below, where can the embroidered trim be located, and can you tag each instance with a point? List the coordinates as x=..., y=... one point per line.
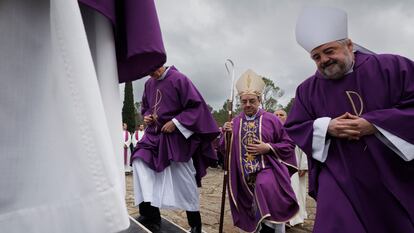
x=348, y=93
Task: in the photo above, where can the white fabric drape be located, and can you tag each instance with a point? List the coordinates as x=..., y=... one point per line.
x=64, y=105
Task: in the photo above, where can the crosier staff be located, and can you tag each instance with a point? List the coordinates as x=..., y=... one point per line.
x=230, y=72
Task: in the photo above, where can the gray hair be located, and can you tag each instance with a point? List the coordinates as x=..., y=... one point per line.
x=344, y=41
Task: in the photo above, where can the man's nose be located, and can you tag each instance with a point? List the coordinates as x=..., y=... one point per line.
x=324, y=59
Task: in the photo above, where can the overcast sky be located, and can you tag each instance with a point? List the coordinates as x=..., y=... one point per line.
x=199, y=35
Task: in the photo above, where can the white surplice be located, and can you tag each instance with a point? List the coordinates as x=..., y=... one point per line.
x=299, y=187
x=126, y=137
x=138, y=134
x=66, y=177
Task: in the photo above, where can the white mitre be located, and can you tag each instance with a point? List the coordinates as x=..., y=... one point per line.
x=250, y=83
x=320, y=25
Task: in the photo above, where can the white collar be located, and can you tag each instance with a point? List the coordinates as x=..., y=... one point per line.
x=250, y=118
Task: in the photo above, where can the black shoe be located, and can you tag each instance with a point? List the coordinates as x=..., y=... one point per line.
x=143, y=220
x=154, y=227
x=194, y=220
x=150, y=224
x=266, y=229
x=196, y=229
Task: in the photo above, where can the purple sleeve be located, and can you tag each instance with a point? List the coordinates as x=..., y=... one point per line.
x=399, y=72
x=284, y=147
x=299, y=126
x=145, y=109
x=195, y=115
x=138, y=39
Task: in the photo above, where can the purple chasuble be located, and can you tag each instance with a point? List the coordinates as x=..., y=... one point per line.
x=259, y=185
x=139, y=46
x=176, y=97
x=363, y=186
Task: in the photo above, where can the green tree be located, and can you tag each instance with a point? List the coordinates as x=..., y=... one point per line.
x=128, y=109
x=221, y=115
x=271, y=94
x=289, y=106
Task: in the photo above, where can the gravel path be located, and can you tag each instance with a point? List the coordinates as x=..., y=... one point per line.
x=210, y=206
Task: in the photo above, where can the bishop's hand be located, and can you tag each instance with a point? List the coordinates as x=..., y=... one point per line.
x=228, y=126
x=148, y=119
x=301, y=173
x=169, y=127
x=258, y=148
x=350, y=127
x=360, y=124
x=338, y=127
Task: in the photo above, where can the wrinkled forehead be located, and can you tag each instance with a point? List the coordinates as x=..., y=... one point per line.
x=249, y=97
x=321, y=48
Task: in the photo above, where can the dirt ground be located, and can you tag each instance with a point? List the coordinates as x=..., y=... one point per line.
x=210, y=200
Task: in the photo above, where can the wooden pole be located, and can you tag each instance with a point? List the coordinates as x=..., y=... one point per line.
x=227, y=136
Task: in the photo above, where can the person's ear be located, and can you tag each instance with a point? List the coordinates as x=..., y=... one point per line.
x=350, y=45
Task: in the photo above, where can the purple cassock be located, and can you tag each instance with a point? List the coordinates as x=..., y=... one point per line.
x=259, y=185
x=138, y=40
x=363, y=186
x=175, y=96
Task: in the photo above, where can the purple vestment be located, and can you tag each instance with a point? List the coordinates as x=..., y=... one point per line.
x=363, y=186
x=138, y=40
x=176, y=97
x=259, y=186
